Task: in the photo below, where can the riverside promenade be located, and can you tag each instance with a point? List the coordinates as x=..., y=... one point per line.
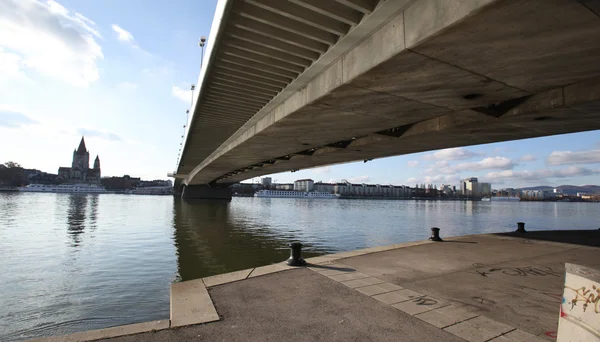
x=493, y=287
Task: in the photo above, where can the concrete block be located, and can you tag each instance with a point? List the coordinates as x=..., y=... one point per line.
x=349, y=276
x=580, y=309
x=376, y=249
x=362, y=282
x=328, y=80
x=379, y=288
x=317, y=260
x=582, y=92
x=382, y=45
x=263, y=270
x=397, y=296
x=108, y=332
x=226, y=277
x=446, y=316
x=425, y=18
x=411, y=244
x=479, y=329
x=335, y=270
x=518, y=336
x=420, y=305
x=191, y=304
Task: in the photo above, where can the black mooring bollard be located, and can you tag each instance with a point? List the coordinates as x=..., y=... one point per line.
x=435, y=234
x=520, y=227
x=296, y=255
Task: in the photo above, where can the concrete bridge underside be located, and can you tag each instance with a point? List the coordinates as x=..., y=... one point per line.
x=398, y=77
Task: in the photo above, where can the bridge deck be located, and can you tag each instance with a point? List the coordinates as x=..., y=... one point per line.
x=422, y=75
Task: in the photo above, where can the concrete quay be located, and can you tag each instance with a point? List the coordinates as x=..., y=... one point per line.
x=493, y=287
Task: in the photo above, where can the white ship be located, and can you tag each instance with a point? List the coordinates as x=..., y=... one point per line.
x=153, y=190
x=295, y=194
x=501, y=199
x=65, y=188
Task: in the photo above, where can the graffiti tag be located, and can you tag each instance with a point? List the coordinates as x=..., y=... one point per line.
x=425, y=301
x=517, y=271
x=589, y=297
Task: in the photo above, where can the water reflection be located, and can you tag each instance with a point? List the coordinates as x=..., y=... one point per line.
x=76, y=215
x=93, y=212
x=8, y=209
x=211, y=239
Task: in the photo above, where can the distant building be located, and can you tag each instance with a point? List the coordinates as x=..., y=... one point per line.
x=304, y=185
x=120, y=183
x=324, y=187
x=285, y=186
x=155, y=183
x=266, y=182
x=484, y=189
x=43, y=178
x=472, y=187
x=508, y=192
x=446, y=189
x=468, y=186
x=534, y=194
x=371, y=190
x=80, y=171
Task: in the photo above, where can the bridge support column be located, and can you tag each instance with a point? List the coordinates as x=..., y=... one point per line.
x=206, y=192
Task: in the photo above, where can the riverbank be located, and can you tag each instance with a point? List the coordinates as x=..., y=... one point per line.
x=501, y=287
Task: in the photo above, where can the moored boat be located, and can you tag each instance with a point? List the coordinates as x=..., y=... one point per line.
x=65, y=188
x=295, y=194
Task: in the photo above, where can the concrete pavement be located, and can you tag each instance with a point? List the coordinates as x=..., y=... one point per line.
x=476, y=288
x=299, y=305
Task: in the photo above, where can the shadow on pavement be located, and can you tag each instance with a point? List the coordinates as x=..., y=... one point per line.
x=576, y=237
x=326, y=267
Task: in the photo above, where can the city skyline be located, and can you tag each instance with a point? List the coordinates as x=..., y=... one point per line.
x=122, y=79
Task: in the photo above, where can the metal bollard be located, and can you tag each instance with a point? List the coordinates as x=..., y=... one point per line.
x=435, y=234
x=296, y=255
x=520, y=227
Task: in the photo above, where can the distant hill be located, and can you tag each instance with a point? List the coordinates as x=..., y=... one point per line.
x=568, y=189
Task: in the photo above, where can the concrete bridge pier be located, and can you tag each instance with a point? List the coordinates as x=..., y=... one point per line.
x=220, y=192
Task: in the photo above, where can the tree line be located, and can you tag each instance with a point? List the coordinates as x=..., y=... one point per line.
x=12, y=174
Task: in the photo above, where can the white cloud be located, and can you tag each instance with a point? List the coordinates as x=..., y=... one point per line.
x=182, y=94
x=12, y=68
x=437, y=179
x=127, y=86
x=541, y=175
x=98, y=134
x=359, y=179
x=322, y=170
x=528, y=157
x=12, y=119
x=456, y=153
x=413, y=163
x=123, y=35
x=490, y=163
x=444, y=170
x=570, y=157
x=51, y=40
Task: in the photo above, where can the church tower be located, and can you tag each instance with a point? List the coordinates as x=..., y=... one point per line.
x=97, y=163
x=81, y=163
x=81, y=157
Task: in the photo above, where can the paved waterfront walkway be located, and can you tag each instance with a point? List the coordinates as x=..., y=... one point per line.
x=475, y=288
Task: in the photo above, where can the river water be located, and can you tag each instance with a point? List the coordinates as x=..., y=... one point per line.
x=78, y=262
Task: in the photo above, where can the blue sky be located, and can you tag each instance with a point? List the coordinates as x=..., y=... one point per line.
x=119, y=72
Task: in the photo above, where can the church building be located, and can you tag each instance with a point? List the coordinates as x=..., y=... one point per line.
x=80, y=171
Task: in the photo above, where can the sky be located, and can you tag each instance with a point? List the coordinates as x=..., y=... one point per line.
x=119, y=72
